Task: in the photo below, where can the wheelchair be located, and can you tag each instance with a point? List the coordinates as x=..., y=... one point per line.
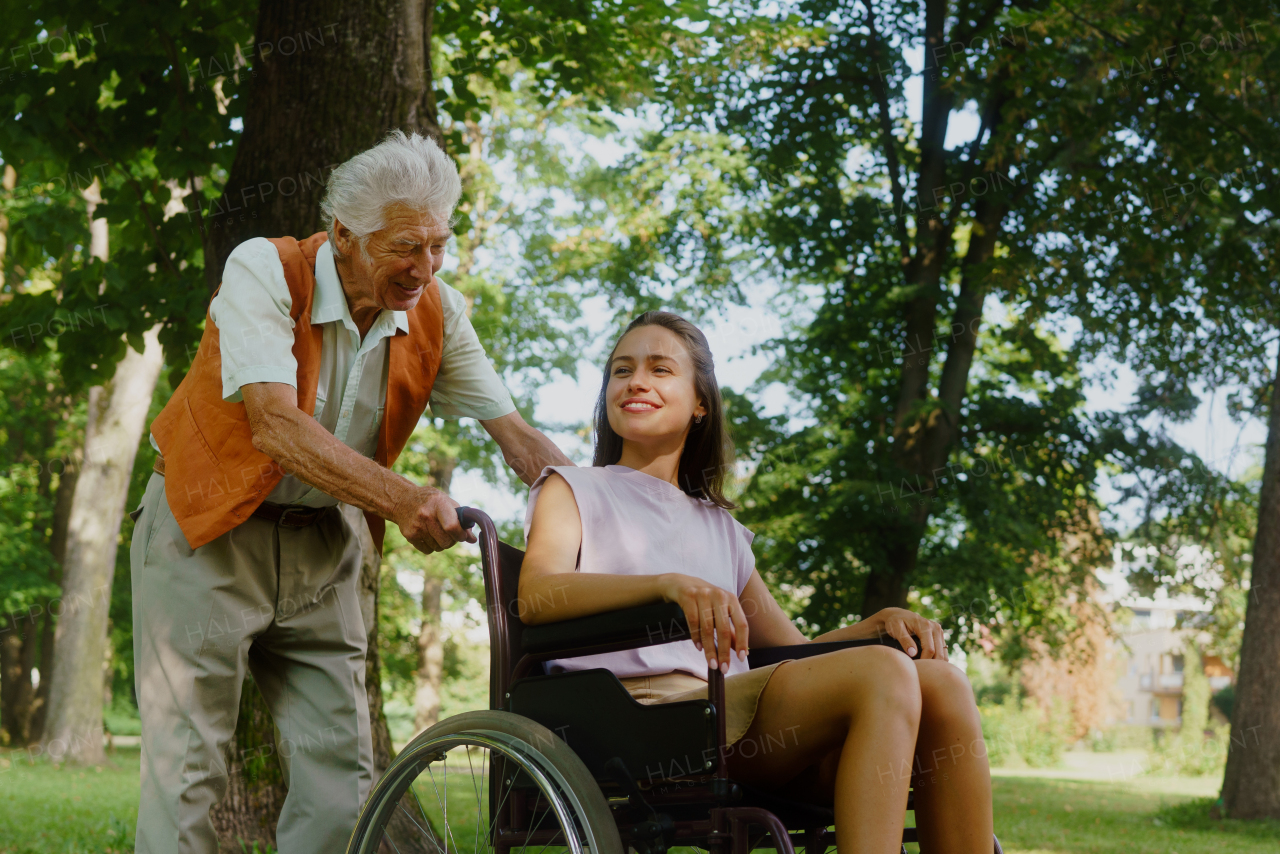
x=570, y=763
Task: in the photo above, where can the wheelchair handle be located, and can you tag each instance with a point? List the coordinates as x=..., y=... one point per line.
x=463, y=520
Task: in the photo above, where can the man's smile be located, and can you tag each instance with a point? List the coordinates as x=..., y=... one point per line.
x=407, y=291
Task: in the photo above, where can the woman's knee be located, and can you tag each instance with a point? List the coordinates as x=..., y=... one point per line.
x=945, y=689
x=882, y=676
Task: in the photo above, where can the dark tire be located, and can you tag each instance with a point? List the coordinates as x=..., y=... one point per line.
x=395, y=819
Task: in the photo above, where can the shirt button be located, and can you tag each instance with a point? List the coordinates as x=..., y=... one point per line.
x=346, y=413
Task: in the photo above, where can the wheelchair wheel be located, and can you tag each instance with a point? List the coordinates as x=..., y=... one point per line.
x=487, y=781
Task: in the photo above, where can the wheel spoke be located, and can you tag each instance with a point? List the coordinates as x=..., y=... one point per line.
x=479, y=798
x=448, y=831
x=534, y=829
x=515, y=785
x=422, y=812
x=498, y=810
x=425, y=832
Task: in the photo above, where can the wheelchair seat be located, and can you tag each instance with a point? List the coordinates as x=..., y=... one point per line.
x=593, y=713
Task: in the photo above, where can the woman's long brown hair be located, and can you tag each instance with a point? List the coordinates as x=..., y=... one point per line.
x=707, y=456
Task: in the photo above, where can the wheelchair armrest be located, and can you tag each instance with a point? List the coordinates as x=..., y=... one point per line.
x=772, y=654
x=629, y=628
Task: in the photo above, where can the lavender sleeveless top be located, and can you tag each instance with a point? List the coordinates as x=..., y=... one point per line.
x=637, y=524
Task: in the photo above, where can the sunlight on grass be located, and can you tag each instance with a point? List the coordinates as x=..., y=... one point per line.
x=48, y=810
x=67, y=810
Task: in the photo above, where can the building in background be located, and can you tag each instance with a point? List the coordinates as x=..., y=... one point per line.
x=1150, y=653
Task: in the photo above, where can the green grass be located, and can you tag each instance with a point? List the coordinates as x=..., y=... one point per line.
x=67, y=810
x=1054, y=816
x=51, y=810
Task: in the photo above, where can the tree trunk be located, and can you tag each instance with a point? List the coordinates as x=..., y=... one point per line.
x=330, y=79
x=18, y=639
x=370, y=571
x=58, y=546
x=255, y=784
x=116, y=417
x=426, y=698
x=1251, y=786
x=8, y=180
x=405, y=835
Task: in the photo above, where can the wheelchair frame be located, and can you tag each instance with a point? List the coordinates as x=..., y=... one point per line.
x=737, y=821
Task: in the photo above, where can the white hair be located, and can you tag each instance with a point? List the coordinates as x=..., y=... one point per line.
x=402, y=169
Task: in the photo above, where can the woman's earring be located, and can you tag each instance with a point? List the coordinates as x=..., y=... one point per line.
x=697, y=419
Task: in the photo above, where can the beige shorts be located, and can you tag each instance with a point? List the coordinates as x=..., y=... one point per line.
x=741, y=691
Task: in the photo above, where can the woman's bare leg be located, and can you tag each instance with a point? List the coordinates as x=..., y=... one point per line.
x=862, y=705
x=952, y=780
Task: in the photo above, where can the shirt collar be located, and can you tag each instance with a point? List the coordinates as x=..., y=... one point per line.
x=329, y=303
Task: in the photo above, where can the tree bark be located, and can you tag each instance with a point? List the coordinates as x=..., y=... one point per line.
x=58, y=546
x=923, y=439
x=1251, y=785
x=426, y=698
x=117, y=412
x=370, y=572
x=18, y=639
x=330, y=79
x=8, y=180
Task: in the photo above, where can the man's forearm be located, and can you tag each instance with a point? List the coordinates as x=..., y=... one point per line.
x=539, y=453
x=524, y=448
x=312, y=454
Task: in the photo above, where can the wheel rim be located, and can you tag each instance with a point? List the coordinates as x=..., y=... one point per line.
x=436, y=798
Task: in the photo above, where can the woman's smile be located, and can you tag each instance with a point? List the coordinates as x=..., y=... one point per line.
x=639, y=404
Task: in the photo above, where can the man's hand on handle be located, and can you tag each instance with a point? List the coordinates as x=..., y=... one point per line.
x=430, y=521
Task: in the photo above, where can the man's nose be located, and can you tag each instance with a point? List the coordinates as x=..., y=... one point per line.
x=422, y=268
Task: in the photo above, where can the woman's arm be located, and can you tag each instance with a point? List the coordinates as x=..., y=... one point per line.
x=551, y=590
x=550, y=587
x=770, y=626
x=899, y=624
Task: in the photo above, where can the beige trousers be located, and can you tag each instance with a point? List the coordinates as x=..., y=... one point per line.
x=282, y=602
x=741, y=694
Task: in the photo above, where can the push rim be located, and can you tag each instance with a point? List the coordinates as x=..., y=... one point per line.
x=410, y=809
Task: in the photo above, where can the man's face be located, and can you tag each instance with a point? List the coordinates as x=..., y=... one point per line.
x=403, y=258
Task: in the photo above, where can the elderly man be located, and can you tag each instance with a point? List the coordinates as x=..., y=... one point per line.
x=318, y=358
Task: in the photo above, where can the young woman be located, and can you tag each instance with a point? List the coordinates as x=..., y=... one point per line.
x=649, y=522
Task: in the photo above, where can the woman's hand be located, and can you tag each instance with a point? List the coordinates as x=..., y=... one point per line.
x=900, y=624
x=716, y=621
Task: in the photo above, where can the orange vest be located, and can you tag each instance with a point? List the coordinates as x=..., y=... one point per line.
x=214, y=477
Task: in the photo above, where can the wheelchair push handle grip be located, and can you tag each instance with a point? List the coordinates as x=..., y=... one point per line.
x=463, y=520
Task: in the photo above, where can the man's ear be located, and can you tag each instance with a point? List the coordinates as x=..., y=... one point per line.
x=342, y=237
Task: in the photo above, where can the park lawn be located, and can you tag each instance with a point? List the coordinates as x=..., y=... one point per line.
x=67, y=810
x=49, y=810
x=1136, y=816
